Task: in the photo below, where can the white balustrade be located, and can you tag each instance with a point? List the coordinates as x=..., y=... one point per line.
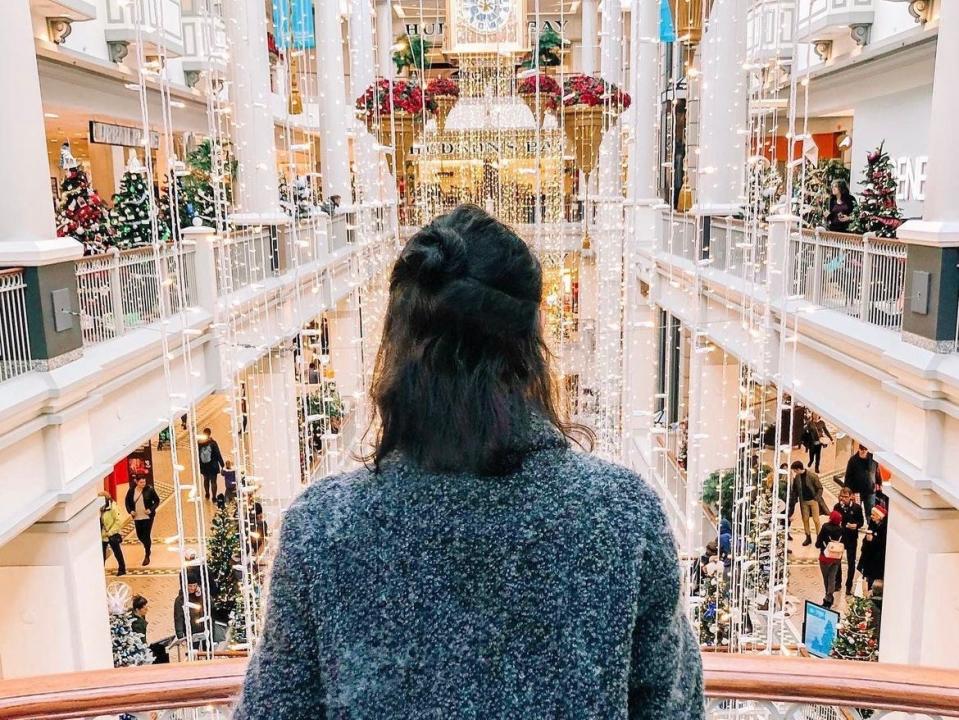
x=14, y=333
x=770, y=30
x=828, y=19
x=160, y=24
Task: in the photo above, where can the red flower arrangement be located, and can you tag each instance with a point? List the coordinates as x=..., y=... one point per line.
x=591, y=91
x=442, y=87
x=548, y=88
x=406, y=97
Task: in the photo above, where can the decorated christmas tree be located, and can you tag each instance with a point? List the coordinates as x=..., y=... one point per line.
x=712, y=608
x=877, y=211
x=173, y=198
x=129, y=647
x=811, y=193
x=132, y=207
x=81, y=213
x=764, y=188
x=857, y=637
x=223, y=546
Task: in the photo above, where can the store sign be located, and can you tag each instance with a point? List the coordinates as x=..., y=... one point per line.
x=434, y=29
x=911, y=174
x=508, y=147
x=293, y=24
x=107, y=134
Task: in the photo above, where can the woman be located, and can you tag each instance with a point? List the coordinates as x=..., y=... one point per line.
x=831, y=549
x=815, y=437
x=872, y=561
x=110, y=537
x=841, y=207
x=478, y=566
x=142, y=502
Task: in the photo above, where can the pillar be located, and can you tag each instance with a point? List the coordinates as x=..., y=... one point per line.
x=28, y=237
x=723, y=104
x=384, y=38
x=56, y=618
x=932, y=276
x=719, y=434
x=345, y=342
x=590, y=45
x=274, y=431
x=362, y=75
x=920, y=608
x=257, y=195
x=334, y=113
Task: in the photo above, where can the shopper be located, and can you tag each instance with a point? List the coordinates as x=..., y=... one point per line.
x=191, y=606
x=841, y=207
x=139, y=612
x=110, y=536
x=142, y=502
x=829, y=542
x=526, y=580
x=229, y=481
x=211, y=461
x=852, y=521
x=807, y=488
x=860, y=477
x=815, y=437
x=872, y=564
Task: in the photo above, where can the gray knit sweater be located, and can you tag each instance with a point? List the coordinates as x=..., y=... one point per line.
x=551, y=593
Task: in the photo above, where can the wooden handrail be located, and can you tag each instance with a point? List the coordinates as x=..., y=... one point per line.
x=746, y=677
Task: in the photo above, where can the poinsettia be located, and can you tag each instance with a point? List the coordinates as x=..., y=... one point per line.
x=442, y=87
x=590, y=91
x=406, y=96
x=547, y=87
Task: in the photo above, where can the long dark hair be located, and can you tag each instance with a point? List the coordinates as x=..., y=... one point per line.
x=844, y=194
x=462, y=367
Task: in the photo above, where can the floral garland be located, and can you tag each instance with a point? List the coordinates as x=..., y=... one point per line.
x=548, y=88
x=592, y=92
x=406, y=97
x=442, y=87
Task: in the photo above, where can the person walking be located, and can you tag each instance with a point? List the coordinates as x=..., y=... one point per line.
x=808, y=489
x=852, y=521
x=872, y=563
x=829, y=542
x=815, y=437
x=861, y=470
x=513, y=576
x=211, y=462
x=142, y=502
x=110, y=536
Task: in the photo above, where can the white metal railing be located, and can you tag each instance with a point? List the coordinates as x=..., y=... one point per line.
x=15, y=356
x=859, y=275
x=339, y=235
x=247, y=257
x=737, y=248
x=678, y=235
x=120, y=291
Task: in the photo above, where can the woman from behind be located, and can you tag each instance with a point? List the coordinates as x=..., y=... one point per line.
x=478, y=566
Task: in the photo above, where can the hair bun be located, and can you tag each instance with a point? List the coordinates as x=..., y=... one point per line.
x=435, y=255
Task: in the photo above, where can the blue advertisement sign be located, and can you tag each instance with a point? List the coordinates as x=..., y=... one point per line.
x=667, y=33
x=293, y=24
x=819, y=629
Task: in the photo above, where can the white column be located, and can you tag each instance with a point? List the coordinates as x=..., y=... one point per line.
x=611, y=52
x=645, y=55
x=274, y=431
x=720, y=412
x=334, y=113
x=920, y=616
x=723, y=104
x=55, y=595
x=384, y=38
x=345, y=345
x=257, y=194
x=27, y=229
x=590, y=35
x=362, y=75
x=940, y=213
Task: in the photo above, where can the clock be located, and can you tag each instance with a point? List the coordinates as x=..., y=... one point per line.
x=486, y=16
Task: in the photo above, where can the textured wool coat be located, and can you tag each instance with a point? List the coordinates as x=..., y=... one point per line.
x=549, y=593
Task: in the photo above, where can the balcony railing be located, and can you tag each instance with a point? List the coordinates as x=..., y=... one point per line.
x=121, y=291
x=14, y=331
x=740, y=687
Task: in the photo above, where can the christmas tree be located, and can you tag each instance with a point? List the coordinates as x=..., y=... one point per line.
x=811, y=193
x=223, y=546
x=129, y=647
x=765, y=186
x=132, y=208
x=712, y=608
x=857, y=637
x=81, y=213
x=877, y=211
x=172, y=200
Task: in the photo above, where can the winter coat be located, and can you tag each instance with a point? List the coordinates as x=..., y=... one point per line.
x=851, y=514
x=549, y=592
x=828, y=533
x=813, y=484
x=211, y=460
x=139, y=625
x=814, y=432
x=151, y=501
x=194, y=608
x=861, y=474
x=872, y=560
x=110, y=523
x=840, y=207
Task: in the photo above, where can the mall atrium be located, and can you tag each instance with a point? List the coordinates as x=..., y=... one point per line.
x=747, y=218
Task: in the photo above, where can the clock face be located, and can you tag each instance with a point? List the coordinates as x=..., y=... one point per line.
x=486, y=16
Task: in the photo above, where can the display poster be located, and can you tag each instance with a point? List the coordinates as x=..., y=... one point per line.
x=293, y=24
x=140, y=464
x=819, y=629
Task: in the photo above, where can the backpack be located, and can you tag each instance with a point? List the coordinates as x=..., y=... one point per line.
x=206, y=453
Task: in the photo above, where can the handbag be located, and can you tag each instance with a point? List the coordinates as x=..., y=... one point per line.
x=834, y=550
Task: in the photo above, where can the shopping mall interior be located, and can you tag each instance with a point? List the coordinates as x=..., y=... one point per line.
x=745, y=212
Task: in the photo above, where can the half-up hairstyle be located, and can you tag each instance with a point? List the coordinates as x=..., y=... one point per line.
x=462, y=366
